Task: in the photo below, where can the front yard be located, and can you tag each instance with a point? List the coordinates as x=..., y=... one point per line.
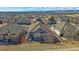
x=36, y=46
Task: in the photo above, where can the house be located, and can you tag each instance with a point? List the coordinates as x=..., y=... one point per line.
x=42, y=19
x=23, y=21
x=3, y=18
x=51, y=21
x=63, y=29
x=71, y=31
x=58, y=28
x=42, y=32
x=10, y=34
x=63, y=18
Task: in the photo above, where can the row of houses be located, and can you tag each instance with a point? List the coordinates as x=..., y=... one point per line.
x=14, y=33
x=26, y=30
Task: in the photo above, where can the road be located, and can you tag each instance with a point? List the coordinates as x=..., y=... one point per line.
x=68, y=49
x=39, y=47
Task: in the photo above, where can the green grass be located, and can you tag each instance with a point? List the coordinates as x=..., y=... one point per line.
x=34, y=42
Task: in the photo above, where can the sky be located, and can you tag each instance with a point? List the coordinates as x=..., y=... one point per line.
x=4, y=9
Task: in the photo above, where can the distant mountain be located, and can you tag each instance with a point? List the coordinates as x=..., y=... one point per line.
x=41, y=9
x=66, y=11
x=56, y=11
x=53, y=11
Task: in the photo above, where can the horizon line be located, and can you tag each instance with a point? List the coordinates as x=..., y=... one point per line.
x=28, y=9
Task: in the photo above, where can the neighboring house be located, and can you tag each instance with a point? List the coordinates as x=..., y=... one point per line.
x=63, y=18
x=23, y=21
x=58, y=28
x=66, y=30
x=42, y=19
x=71, y=31
x=3, y=19
x=42, y=33
x=9, y=34
x=51, y=21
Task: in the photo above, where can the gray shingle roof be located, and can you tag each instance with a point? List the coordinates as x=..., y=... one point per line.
x=23, y=20
x=59, y=26
x=11, y=28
